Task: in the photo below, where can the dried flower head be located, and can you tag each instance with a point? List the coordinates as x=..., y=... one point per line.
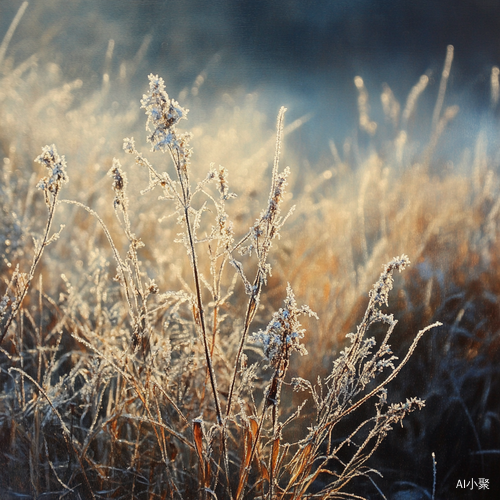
x=56, y=165
x=222, y=184
x=380, y=291
x=284, y=332
x=163, y=114
x=119, y=184
x=129, y=145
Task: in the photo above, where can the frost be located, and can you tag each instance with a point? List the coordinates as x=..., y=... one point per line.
x=284, y=332
x=56, y=165
x=163, y=114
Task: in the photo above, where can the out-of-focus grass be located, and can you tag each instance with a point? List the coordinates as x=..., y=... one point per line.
x=368, y=205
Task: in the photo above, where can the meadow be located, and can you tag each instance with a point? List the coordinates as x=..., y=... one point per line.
x=183, y=315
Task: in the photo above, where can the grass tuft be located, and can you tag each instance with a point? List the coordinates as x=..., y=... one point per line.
x=161, y=347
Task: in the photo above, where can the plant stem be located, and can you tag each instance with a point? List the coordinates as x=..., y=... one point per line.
x=17, y=304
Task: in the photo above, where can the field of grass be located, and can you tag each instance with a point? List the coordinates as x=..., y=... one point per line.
x=182, y=316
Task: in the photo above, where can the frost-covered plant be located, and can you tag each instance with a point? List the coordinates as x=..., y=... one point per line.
x=280, y=339
x=132, y=408
x=56, y=166
x=284, y=332
x=345, y=390
x=20, y=282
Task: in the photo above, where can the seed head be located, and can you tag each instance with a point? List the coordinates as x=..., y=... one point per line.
x=163, y=114
x=56, y=165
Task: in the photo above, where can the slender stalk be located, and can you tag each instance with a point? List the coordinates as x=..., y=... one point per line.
x=249, y=315
x=196, y=277
x=186, y=195
x=18, y=303
x=271, y=227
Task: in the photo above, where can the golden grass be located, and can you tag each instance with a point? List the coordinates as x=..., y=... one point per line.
x=134, y=366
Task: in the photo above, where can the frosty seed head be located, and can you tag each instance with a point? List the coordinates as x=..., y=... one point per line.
x=56, y=165
x=163, y=114
x=129, y=145
x=284, y=332
x=119, y=184
x=380, y=291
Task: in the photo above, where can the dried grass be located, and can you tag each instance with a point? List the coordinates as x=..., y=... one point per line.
x=181, y=377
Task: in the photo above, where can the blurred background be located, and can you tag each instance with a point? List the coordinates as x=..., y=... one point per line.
x=301, y=54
